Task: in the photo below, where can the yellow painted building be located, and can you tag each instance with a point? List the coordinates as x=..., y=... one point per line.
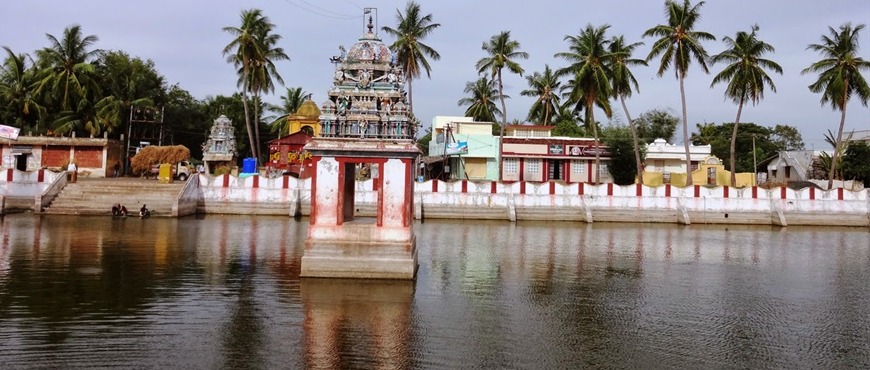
x=306, y=118
x=710, y=171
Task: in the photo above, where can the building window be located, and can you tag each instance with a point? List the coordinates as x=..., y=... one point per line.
x=603, y=172
x=533, y=166
x=511, y=165
x=578, y=168
x=521, y=133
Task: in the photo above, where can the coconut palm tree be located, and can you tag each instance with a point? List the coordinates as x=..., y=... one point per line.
x=502, y=53
x=678, y=43
x=290, y=103
x=69, y=76
x=590, y=66
x=411, y=52
x=544, y=88
x=746, y=76
x=622, y=80
x=263, y=70
x=483, y=94
x=839, y=76
x=243, y=52
x=17, y=90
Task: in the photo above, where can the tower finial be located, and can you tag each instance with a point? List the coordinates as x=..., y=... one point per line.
x=370, y=24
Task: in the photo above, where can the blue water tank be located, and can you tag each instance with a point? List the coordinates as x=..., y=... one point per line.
x=249, y=165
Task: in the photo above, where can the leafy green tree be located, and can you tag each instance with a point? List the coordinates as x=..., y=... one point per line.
x=18, y=102
x=623, y=81
x=423, y=141
x=717, y=136
x=590, y=66
x=856, y=163
x=481, y=101
x=657, y=123
x=678, y=43
x=544, y=88
x=411, y=52
x=127, y=81
x=620, y=144
x=187, y=119
x=745, y=75
x=290, y=103
x=839, y=76
x=787, y=138
x=567, y=123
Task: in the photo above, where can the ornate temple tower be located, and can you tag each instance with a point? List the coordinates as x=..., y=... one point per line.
x=220, y=148
x=367, y=99
x=364, y=124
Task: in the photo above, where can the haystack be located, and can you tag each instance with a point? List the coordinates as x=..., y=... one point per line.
x=153, y=155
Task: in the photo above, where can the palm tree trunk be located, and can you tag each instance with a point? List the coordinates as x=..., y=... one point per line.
x=256, y=119
x=546, y=114
x=839, y=138
x=501, y=129
x=634, y=139
x=410, y=95
x=686, y=132
x=501, y=96
x=247, y=115
x=590, y=118
x=734, y=145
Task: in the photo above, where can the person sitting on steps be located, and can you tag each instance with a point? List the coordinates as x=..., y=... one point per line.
x=116, y=209
x=144, y=212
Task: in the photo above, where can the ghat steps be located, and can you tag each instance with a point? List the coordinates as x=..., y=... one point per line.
x=96, y=196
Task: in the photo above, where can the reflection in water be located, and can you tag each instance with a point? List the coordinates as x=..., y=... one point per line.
x=357, y=323
x=224, y=292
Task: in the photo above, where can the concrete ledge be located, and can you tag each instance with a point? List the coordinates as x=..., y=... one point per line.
x=360, y=260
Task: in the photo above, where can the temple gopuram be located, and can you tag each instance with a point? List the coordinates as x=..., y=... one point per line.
x=368, y=96
x=364, y=124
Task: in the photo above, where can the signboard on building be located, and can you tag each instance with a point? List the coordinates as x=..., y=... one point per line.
x=580, y=150
x=460, y=147
x=9, y=132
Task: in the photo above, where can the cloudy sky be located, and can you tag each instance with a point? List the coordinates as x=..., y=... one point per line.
x=184, y=39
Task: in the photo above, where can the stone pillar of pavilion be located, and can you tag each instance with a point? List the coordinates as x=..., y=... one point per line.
x=339, y=245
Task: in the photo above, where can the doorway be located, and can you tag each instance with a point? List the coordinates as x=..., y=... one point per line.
x=21, y=162
x=555, y=170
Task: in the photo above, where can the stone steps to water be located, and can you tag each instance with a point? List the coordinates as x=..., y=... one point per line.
x=96, y=196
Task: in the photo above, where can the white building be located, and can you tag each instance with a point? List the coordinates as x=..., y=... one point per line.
x=795, y=165
x=663, y=157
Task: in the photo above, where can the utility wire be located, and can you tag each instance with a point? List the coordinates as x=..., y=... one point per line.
x=323, y=12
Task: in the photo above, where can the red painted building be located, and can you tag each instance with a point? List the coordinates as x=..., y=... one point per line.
x=531, y=154
x=93, y=156
x=287, y=154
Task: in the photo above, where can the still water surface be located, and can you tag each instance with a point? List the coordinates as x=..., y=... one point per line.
x=224, y=292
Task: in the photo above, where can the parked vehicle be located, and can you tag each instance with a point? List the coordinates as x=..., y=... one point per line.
x=180, y=171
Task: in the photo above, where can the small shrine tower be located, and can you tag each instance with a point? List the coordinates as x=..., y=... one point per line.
x=220, y=148
x=364, y=124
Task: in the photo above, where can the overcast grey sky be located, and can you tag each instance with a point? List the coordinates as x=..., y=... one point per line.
x=184, y=39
